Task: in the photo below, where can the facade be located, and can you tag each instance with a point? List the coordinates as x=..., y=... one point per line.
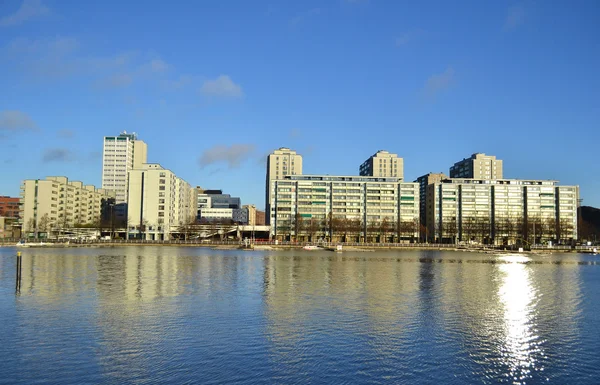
x=9, y=207
x=260, y=218
x=57, y=203
x=500, y=212
x=478, y=166
x=120, y=155
x=280, y=163
x=239, y=216
x=423, y=182
x=344, y=208
x=251, y=214
x=383, y=164
x=9, y=227
x=159, y=203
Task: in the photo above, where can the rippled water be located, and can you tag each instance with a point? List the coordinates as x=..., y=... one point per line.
x=194, y=315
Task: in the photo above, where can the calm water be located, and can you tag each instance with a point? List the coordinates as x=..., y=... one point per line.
x=193, y=315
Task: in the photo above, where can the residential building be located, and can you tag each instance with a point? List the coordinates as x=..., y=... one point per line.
x=383, y=164
x=159, y=203
x=260, y=218
x=478, y=166
x=251, y=214
x=57, y=203
x=423, y=182
x=505, y=211
x=280, y=163
x=9, y=207
x=9, y=227
x=120, y=155
x=312, y=207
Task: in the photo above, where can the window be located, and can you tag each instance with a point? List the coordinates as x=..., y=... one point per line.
x=162, y=188
x=161, y=207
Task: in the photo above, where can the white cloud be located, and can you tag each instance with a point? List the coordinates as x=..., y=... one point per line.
x=14, y=121
x=222, y=86
x=29, y=9
x=515, y=17
x=233, y=155
x=439, y=82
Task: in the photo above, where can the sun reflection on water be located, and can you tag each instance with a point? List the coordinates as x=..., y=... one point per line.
x=521, y=350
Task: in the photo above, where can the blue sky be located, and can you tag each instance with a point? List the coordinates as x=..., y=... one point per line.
x=213, y=87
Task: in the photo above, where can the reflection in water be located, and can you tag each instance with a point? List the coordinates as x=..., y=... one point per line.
x=132, y=315
x=522, y=344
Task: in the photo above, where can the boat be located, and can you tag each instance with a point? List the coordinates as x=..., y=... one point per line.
x=311, y=247
x=32, y=244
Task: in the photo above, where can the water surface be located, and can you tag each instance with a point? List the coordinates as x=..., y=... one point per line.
x=195, y=315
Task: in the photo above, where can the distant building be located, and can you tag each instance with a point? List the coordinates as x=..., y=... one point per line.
x=383, y=164
x=9, y=207
x=260, y=218
x=57, y=203
x=159, y=202
x=223, y=215
x=9, y=227
x=280, y=163
x=505, y=211
x=423, y=182
x=215, y=199
x=478, y=166
x=120, y=155
x=251, y=214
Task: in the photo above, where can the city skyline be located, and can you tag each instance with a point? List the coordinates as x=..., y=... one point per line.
x=217, y=88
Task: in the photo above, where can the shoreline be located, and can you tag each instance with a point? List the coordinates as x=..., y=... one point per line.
x=273, y=247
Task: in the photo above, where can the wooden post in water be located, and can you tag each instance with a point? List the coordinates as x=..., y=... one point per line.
x=19, y=266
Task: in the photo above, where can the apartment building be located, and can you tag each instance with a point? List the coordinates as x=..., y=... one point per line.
x=159, y=203
x=280, y=163
x=251, y=214
x=311, y=207
x=424, y=181
x=505, y=211
x=9, y=207
x=57, y=203
x=383, y=164
x=478, y=166
x=120, y=155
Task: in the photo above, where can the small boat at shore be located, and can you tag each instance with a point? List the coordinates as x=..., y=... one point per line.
x=310, y=247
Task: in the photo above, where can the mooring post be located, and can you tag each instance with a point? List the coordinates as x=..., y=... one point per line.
x=19, y=266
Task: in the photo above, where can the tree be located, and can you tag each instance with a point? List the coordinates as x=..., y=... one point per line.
x=449, y=229
x=372, y=230
x=312, y=228
x=186, y=227
x=384, y=228
x=355, y=227
x=298, y=225
x=44, y=224
x=469, y=229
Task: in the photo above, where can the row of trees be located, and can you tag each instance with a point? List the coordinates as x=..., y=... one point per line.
x=341, y=229
x=507, y=230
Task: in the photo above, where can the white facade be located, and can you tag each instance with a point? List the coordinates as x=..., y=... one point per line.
x=383, y=164
x=383, y=208
x=159, y=202
x=504, y=211
x=57, y=203
x=478, y=166
x=121, y=154
x=280, y=163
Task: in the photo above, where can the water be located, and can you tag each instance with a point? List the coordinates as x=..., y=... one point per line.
x=145, y=315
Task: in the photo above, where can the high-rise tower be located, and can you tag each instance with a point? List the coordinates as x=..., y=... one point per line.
x=121, y=154
x=280, y=163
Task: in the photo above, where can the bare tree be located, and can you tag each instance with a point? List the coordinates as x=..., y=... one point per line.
x=44, y=224
x=312, y=228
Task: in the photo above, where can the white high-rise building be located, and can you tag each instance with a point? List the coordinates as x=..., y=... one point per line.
x=121, y=154
x=159, y=202
x=384, y=164
x=280, y=163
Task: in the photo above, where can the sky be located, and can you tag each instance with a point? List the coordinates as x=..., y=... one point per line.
x=213, y=86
